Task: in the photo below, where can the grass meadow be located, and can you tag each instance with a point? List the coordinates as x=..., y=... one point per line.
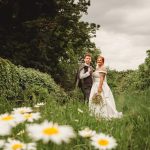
x=132, y=132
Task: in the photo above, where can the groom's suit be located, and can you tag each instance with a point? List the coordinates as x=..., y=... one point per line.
x=84, y=79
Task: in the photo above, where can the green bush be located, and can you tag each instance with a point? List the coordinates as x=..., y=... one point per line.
x=35, y=94
x=17, y=82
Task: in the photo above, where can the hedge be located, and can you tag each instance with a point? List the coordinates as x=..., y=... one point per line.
x=17, y=82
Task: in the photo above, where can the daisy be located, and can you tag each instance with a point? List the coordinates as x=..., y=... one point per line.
x=22, y=110
x=5, y=129
x=18, y=145
x=103, y=142
x=31, y=116
x=11, y=119
x=49, y=131
x=39, y=104
x=14, y=145
x=31, y=146
x=2, y=142
x=87, y=133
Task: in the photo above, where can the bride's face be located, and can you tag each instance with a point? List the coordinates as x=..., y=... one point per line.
x=100, y=61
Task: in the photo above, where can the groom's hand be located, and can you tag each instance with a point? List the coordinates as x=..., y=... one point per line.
x=90, y=72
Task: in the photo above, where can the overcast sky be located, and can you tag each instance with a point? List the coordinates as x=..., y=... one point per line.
x=124, y=35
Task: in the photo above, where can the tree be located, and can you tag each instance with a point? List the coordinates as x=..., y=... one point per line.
x=144, y=73
x=43, y=33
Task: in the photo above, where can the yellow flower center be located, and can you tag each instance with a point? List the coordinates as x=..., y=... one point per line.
x=17, y=146
x=7, y=118
x=50, y=131
x=103, y=142
x=27, y=116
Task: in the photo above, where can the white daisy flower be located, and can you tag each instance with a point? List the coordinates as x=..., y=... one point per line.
x=39, y=105
x=11, y=119
x=80, y=111
x=22, y=110
x=14, y=145
x=31, y=146
x=31, y=116
x=5, y=129
x=18, y=145
x=49, y=131
x=103, y=142
x=87, y=133
x=2, y=142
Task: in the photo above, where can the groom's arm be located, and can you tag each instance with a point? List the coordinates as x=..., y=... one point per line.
x=84, y=75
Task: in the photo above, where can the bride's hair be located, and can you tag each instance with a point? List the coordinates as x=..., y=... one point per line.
x=103, y=59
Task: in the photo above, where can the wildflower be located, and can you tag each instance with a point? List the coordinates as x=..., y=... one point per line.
x=39, y=105
x=31, y=146
x=5, y=129
x=2, y=142
x=103, y=142
x=18, y=145
x=14, y=145
x=49, y=131
x=22, y=110
x=87, y=133
x=11, y=119
x=31, y=116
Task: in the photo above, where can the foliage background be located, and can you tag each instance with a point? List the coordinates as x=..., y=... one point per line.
x=45, y=35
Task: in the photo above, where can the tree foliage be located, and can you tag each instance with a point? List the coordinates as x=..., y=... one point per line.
x=131, y=80
x=144, y=72
x=45, y=33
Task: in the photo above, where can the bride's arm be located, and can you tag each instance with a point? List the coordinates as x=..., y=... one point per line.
x=102, y=76
x=102, y=72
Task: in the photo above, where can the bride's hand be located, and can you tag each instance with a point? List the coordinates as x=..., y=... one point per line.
x=99, y=90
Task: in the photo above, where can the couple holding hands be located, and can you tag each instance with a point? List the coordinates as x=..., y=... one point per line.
x=96, y=90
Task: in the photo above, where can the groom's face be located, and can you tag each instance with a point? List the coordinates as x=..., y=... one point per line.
x=87, y=60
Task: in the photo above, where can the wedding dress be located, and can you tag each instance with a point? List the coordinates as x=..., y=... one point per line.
x=108, y=108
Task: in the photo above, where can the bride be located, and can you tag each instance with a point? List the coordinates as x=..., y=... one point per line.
x=106, y=108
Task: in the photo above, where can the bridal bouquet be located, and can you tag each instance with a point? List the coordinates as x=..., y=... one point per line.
x=97, y=99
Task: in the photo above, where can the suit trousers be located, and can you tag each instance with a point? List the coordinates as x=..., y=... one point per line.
x=86, y=91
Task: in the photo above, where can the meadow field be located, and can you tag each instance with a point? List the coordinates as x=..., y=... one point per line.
x=131, y=132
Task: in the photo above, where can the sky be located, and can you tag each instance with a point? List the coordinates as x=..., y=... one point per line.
x=124, y=35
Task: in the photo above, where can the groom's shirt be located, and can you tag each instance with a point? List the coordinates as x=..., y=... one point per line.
x=84, y=74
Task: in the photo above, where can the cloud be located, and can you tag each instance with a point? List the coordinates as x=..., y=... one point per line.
x=124, y=34
x=119, y=51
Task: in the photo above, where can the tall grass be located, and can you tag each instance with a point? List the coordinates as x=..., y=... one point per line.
x=132, y=132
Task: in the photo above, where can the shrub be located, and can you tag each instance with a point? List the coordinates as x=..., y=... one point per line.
x=17, y=82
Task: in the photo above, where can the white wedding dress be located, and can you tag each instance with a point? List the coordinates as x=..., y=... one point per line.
x=106, y=110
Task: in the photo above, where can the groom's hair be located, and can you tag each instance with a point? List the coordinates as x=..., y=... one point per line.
x=87, y=54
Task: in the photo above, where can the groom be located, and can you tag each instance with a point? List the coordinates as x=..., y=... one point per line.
x=84, y=77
